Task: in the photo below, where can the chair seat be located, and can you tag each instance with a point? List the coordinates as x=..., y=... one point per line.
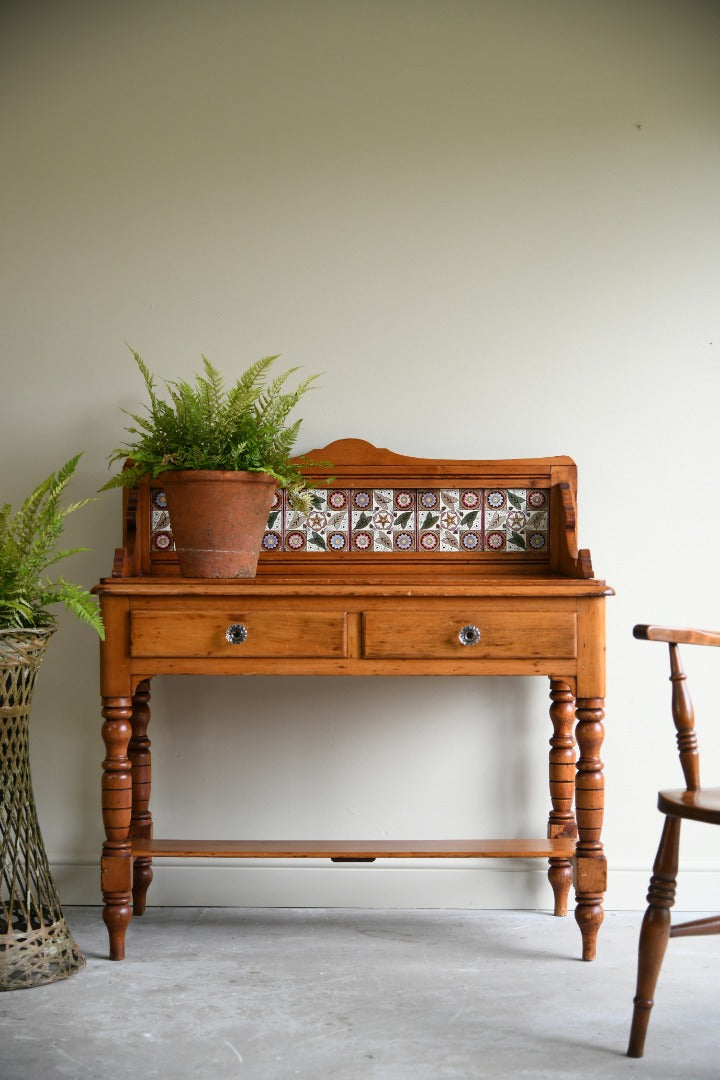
x=702, y=805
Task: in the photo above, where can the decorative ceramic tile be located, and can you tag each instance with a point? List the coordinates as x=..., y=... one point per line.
x=161, y=537
x=397, y=520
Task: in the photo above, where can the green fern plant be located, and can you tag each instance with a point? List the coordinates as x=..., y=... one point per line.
x=206, y=426
x=29, y=540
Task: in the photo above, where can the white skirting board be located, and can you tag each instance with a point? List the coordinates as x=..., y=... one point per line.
x=508, y=884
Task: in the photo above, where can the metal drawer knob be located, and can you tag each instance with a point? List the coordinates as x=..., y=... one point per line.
x=469, y=635
x=236, y=633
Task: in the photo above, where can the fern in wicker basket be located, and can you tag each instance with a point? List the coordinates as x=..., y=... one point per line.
x=36, y=945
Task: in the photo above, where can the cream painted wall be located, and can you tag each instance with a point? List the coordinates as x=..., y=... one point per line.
x=494, y=227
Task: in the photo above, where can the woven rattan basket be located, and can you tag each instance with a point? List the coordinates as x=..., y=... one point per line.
x=36, y=945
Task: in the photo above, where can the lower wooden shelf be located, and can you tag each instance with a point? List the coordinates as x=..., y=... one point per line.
x=350, y=850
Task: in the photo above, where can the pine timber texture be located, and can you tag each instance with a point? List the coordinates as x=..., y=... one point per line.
x=398, y=612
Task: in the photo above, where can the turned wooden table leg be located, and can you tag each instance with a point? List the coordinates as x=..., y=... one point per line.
x=590, y=863
x=116, y=863
x=561, y=822
x=141, y=825
x=655, y=932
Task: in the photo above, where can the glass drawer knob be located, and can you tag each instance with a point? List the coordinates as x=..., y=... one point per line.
x=236, y=633
x=469, y=635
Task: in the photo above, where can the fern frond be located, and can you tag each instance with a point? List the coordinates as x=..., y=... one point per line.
x=63, y=511
x=18, y=614
x=28, y=546
x=215, y=380
x=147, y=375
x=65, y=554
x=80, y=603
x=5, y=512
x=254, y=376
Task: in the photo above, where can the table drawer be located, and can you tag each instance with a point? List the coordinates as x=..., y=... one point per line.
x=437, y=635
x=238, y=634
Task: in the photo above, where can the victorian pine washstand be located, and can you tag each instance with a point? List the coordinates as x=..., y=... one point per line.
x=406, y=566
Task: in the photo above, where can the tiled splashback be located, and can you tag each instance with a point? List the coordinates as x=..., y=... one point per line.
x=397, y=520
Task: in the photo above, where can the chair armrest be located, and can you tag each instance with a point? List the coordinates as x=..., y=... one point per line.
x=677, y=635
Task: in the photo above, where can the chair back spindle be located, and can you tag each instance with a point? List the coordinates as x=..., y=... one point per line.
x=684, y=718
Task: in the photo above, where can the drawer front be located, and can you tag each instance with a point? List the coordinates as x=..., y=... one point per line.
x=238, y=634
x=437, y=635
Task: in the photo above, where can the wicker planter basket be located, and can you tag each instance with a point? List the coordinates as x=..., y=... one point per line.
x=36, y=945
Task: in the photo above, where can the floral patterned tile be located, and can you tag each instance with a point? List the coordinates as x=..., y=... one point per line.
x=161, y=537
x=516, y=519
x=397, y=520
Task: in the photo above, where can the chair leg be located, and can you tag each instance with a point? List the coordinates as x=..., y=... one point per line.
x=655, y=932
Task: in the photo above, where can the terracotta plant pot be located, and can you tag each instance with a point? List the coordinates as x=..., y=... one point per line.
x=218, y=520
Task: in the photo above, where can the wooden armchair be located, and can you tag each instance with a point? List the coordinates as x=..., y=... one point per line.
x=694, y=802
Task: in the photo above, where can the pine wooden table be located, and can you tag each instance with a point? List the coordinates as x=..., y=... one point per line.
x=405, y=566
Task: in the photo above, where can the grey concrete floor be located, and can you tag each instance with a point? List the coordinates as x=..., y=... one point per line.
x=214, y=993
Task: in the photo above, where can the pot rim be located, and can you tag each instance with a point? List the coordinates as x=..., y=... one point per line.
x=220, y=475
